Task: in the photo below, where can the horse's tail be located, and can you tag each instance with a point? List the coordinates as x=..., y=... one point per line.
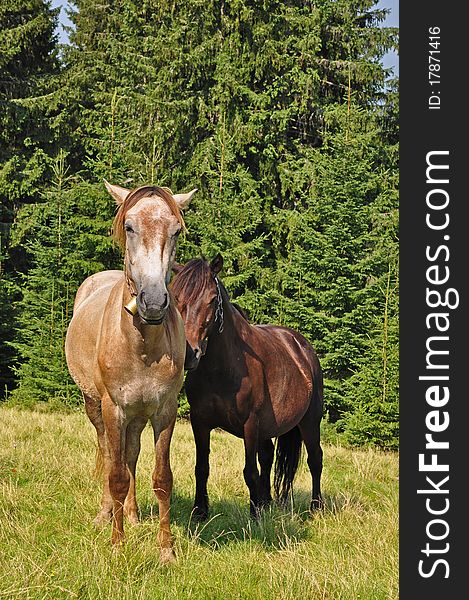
x=287, y=458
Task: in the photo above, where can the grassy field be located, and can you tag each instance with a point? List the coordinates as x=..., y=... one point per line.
x=49, y=548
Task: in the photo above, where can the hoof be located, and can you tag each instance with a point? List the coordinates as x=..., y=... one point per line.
x=284, y=501
x=265, y=502
x=117, y=541
x=117, y=548
x=131, y=512
x=255, y=513
x=132, y=518
x=199, y=514
x=316, y=504
x=167, y=556
x=102, y=519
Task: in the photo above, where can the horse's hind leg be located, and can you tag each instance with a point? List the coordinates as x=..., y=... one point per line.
x=132, y=450
x=309, y=429
x=93, y=410
x=266, y=459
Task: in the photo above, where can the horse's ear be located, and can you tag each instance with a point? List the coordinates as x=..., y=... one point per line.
x=117, y=192
x=177, y=268
x=183, y=200
x=216, y=264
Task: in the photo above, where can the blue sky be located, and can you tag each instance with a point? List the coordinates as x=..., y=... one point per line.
x=63, y=20
x=390, y=60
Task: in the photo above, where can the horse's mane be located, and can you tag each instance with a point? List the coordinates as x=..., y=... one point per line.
x=191, y=281
x=241, y=311
x=131, y=200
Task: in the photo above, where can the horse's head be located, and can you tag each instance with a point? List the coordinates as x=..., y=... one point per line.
x=146, y=226
x=198, y=296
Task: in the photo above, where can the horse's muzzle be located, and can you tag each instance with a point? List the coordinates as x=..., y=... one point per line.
x=132, y=308
x=194, y=354
x=154, y=321
x=191, y=361
x=153, y=317
x=152, y=313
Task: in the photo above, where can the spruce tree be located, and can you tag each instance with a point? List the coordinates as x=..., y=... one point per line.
x=279, y=114
x=28, y=65
x=28, y=62
x=67, y=238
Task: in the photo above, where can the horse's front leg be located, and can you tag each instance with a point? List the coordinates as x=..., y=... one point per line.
x=119, y=477
x=163, y=486
x=132, y=450
x=202, y=446
x=250, y=472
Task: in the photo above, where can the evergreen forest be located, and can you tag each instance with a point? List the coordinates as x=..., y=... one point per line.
x=280, y=113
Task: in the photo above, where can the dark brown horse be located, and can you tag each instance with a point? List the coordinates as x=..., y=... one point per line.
x=257, y=382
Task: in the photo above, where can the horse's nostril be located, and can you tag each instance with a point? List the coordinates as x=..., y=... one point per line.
x=153, y=301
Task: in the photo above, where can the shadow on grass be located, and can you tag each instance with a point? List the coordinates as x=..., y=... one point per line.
x=229, y=521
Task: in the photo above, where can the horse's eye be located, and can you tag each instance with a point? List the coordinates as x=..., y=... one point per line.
x=129, y=228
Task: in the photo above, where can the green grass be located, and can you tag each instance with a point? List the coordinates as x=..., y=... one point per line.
x=49, y=549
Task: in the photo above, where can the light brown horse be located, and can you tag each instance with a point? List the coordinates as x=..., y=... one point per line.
x=125, y=349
